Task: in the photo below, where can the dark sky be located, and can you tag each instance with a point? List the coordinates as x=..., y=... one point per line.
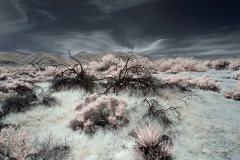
x=160, y=27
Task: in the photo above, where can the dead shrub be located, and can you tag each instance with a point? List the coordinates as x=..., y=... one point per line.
x=50, y=150
x=221, y=64
x=17, y=104
x=72, y=77
x=135, y=78
x=162, y=114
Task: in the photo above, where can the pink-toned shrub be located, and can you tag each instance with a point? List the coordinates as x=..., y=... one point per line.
x=14, y=143
x=171, y=80
x=207, y=64
x=177, y=81
x=86, y=100
x=103, y=111
x=206, y=83
x=4, y=96
x=105, y=63
x=12, y=84
x=180, y=64
x=113, y=71
x=6, y=75
x=237, y=84
x=108, y=66
x=234, y=65
x=236, y=75
x=151, y=144
x=232, y=94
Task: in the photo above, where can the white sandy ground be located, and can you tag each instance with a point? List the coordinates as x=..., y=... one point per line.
x=209, y=128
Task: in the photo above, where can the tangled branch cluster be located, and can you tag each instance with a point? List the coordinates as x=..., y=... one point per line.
x=73, y=77
x=135, y=78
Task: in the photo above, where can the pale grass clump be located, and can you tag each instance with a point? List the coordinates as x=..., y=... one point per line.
x=236, y=75
x=151, y=145
x=232, y=94
x=105, y=111
x=14, y=144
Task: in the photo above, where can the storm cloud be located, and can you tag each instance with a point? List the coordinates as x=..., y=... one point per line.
x=158, y=27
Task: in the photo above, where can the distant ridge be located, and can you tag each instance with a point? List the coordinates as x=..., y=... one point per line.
x=85, y=57
x=41, y=58
x=53, y=59
x=10, y=58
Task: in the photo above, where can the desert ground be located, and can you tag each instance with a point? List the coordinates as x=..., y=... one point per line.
x=86, y=108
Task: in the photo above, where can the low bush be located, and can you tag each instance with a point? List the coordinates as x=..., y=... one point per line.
x=48, y=100
x=205, y=83
x=18, y=104
x=235, y=65
x=236, y=75
x=4, y=76
x=14, y=144
x=178, y=82
x=180, y=64
x=24, y=91
x=106, y=111
x=232, y=94
x=13, y=84
x=221, y=64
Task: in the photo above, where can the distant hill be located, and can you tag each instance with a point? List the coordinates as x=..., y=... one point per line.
x=46, y=59
x=39, y=58
x=85, y=57
x=10, y=58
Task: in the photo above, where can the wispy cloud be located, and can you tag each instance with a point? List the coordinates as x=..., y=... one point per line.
x=12, y=16
x=197, y=45
x=111, y=5
x=94, y=42
x=48, y=15
x=149, y=47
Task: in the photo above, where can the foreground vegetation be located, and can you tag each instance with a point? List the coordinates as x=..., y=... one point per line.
x=101, y=107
